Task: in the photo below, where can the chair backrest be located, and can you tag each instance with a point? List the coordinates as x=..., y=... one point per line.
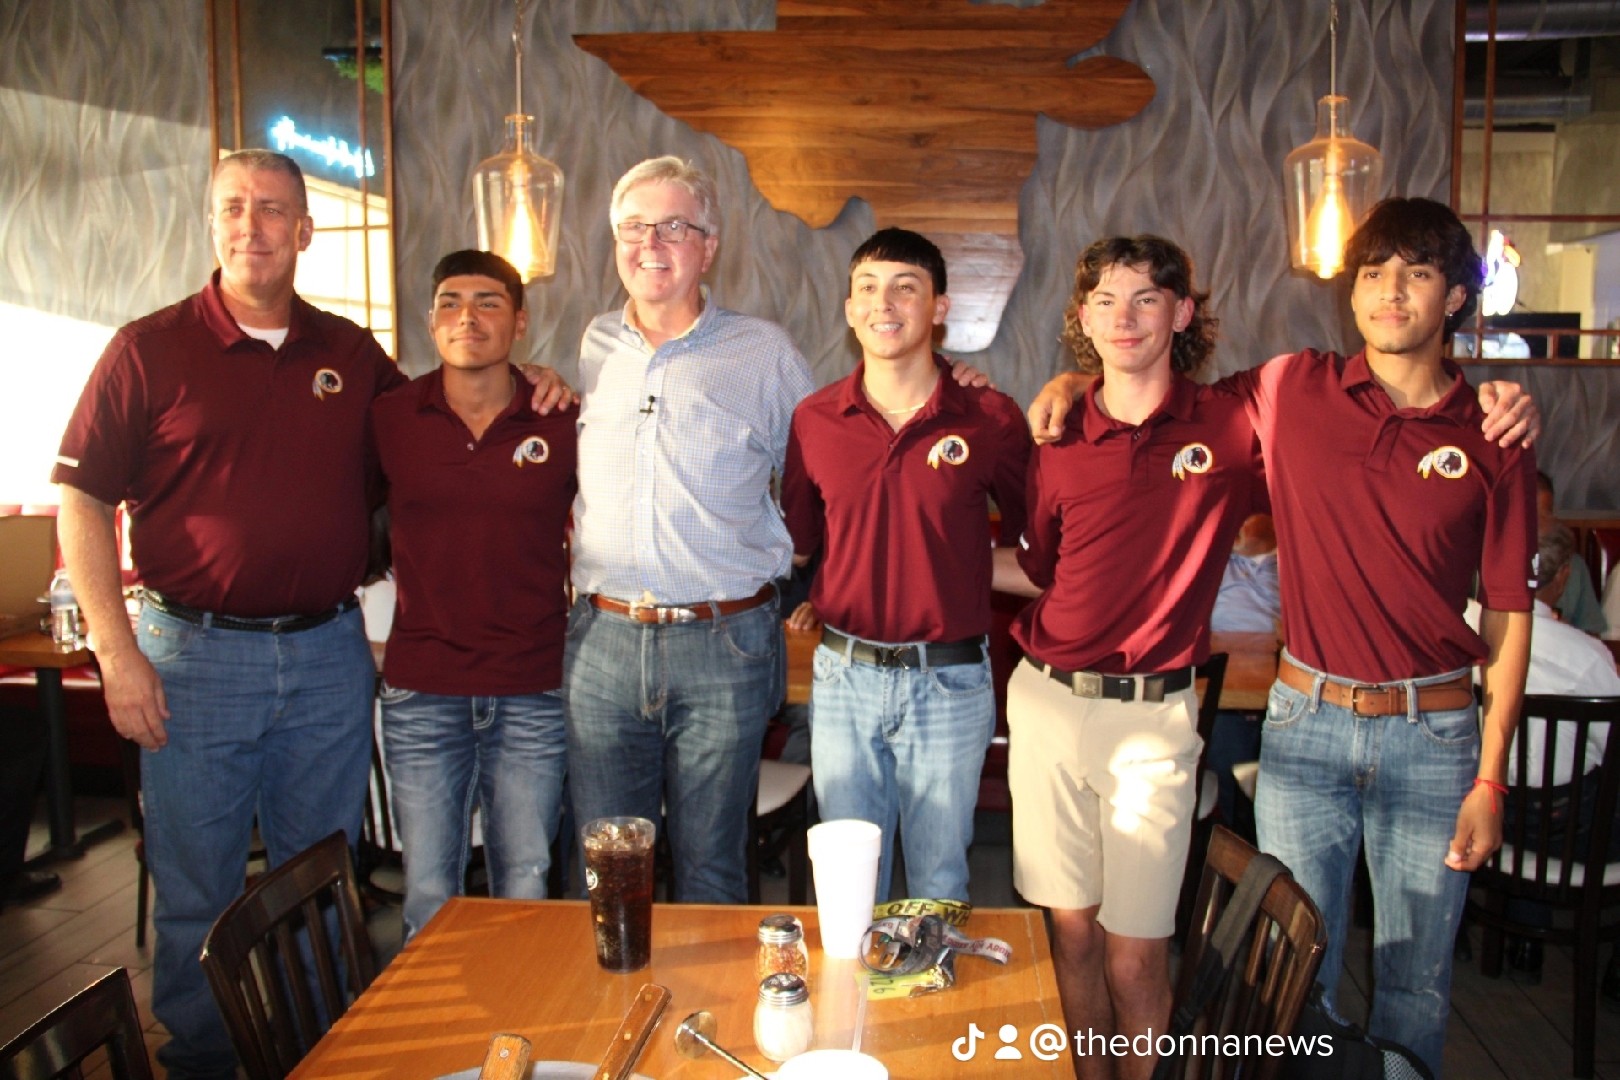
x=102, y=1014
x=1272, y=973
x=1541, y=858
x=1212, y=673
x=276, y=972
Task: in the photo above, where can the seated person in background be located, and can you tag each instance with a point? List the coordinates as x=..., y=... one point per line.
x=1563, y=660
x=888, y=474
x=1578, y=604
x=1250, y=601
x=480, y=486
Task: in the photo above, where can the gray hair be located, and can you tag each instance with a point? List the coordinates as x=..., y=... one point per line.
x=684, y=175
x=1555, y=547
x=263, y=161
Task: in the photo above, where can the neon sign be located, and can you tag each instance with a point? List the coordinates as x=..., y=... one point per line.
x=335, y=152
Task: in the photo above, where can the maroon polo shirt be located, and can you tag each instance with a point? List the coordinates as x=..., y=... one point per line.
x=904, y=515
x=1129, y=530
x=246, y=468
x=1384, y=516
x=477, y=528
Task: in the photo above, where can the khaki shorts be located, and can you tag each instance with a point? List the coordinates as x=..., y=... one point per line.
x=1102, y=801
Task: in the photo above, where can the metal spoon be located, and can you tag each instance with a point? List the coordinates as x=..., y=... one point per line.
x=695, y=1037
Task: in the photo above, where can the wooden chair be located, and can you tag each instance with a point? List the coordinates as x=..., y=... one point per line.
x=1545, y=861
x=102, y=1014
x=259, y=953
x=1212, y=673
x=1274, y=970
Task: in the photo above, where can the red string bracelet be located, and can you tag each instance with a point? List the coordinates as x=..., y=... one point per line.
x=1496, y=789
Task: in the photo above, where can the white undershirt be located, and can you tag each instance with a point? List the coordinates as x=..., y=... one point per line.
x=274, y=337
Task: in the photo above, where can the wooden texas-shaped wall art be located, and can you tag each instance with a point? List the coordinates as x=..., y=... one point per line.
x=924, y=108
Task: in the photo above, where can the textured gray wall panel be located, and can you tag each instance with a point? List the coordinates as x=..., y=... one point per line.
x=104, y=130
x=1237, y=86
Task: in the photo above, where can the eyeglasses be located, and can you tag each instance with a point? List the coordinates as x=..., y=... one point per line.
x=670, y=232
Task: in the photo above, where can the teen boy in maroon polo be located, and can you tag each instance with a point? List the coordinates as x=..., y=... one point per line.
x=480, y=487
x=1131, y=515
x=1389, y=500
x=889, y=470
x=234, y=426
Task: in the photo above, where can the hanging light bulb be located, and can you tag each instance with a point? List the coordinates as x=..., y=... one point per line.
x=1329, y=223
x=1332, y=181
x=517, y=194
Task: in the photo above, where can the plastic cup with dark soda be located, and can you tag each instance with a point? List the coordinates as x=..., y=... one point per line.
x=619, y=876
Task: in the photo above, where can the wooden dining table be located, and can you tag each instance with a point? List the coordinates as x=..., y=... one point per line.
x=1251, y=668
x=33, y=649
x=483, y=967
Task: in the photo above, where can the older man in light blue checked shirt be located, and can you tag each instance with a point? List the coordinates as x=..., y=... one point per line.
x=674, y=655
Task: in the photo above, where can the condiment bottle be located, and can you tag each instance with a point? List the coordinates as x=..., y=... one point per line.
x=783, y=1024
x=781, y=949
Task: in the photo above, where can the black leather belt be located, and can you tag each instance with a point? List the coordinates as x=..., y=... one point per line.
x=1092, y=684
x=945, y=654
x=287, y=624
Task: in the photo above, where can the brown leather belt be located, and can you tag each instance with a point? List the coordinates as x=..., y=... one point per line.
x=672, y=613
x=1380, y=700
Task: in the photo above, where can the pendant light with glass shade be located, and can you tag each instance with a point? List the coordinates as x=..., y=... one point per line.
x=1332, y=181
x=517, y=194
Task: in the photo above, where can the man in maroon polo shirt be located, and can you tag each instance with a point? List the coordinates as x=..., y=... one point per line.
x=1131, y=515
x=889, y=472
x=233, y=424
x=1388, y=499
x=479, y=490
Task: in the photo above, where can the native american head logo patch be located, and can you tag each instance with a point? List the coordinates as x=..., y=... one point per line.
x=1448, y=461
x=1192, y=458
x=532, y=450
x=327, y=381
x=952, y=449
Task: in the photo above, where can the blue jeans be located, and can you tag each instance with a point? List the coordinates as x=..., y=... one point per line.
x=273, y=725
x=447, y=754
x=668, y=721
x=891, y=743
x=1331, y=780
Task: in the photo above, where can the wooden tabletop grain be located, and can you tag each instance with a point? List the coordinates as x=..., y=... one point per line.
x=37, y=650
x=483, y=967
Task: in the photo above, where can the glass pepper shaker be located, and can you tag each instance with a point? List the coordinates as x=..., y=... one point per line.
x=783, y=1024
x=781, y=949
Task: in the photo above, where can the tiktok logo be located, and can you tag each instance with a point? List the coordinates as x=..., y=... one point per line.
x=964, y=1048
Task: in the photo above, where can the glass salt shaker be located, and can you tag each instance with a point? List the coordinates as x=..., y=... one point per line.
x=783, y=1024
x=781, y=949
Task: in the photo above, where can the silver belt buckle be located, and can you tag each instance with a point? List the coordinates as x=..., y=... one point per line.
x=676, y=615
x=1088, y=684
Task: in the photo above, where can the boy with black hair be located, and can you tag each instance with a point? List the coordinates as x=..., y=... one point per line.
x=480, y=487
x=889, y=472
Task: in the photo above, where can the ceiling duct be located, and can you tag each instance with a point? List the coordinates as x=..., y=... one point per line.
x=1537, y=20
x=1529, y=108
